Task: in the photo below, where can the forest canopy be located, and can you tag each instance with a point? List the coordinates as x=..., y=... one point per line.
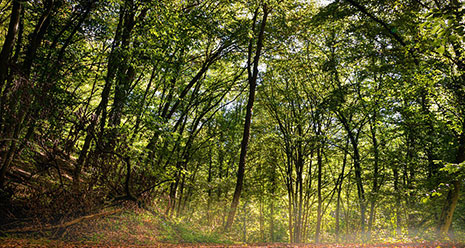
x=272, y=121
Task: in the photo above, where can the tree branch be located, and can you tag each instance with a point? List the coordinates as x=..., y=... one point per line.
x=391, y=31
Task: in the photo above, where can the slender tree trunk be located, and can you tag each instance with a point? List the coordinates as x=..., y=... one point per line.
x=272, y=193
x=209, y=191
x=289, y=209
x=339, y=189
x=219, y=190
x=358, y=172
x=37, y=37
x=244, y=223
x=299, y=193
x=181, y=196
x=408, y=179
x=360, y=190
x=87, y=142
x=261, y=220
x=82, y=157
x=318, y=219
x=172, y=195
x=248, y=118
x=290, y=193
x=9, y=42
x=125, y=73
x=88, y=8
x=6, y=163
x=7, y=78
x=113, y=62
x=347, y=208
x=375, y=175
x=272, y=221
x=189, y=193
x=398, y=201
x=127, y=181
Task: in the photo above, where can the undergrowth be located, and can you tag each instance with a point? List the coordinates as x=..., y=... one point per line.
x=133, y=225
x=182, y=232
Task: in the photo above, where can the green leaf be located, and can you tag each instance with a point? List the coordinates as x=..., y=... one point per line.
x=441, y=49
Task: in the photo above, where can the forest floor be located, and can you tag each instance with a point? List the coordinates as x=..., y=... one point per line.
x=13, y=243
x=135, y=227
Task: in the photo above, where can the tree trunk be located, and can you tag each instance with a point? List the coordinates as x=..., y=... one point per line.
x=445, y=219
x=375, y=175
x=252, y=79
x=338, y=204
x=9, y=42
x=261, y=220
x=360, y=190
x=181, y=196
x=272, y=193
x=408, y=179
x=37, y=37
x=125, y=73
x=23, y=102
x=447, y=213
x=399, y=201
x=353, y=137
x=172, y=196
x=299, y=192
x=289, y=209
x=209, y=191
x=272, y=221
x=318, y=220
x=7, y=81
x=112, y=66
x=244, y=223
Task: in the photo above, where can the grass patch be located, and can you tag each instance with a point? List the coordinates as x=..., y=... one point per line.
x=172, y=232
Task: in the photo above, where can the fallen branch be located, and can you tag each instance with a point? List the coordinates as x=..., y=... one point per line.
x=64, y=225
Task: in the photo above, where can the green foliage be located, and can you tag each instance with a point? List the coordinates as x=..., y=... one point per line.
x=145, y=100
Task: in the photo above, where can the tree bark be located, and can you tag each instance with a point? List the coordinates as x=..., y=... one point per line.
x=445, y=220
x=23, y=111
x=209, y=190
x=101, y=111
x=338, y=204
x=37, y=37
x=9, y=42
x=375, y=175
x=318, y=219
x=398, y=200
x=298, y=199
x=447, y=213
x=353, y=137
x=272, y=193
x=125, y=72
x=252, y=79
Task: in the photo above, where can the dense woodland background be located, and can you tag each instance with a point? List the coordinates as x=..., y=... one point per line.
x=357, y=130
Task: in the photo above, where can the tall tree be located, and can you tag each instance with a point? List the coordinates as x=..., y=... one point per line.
x=252, y=76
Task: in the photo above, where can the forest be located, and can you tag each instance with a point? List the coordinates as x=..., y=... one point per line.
x=253, y=121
